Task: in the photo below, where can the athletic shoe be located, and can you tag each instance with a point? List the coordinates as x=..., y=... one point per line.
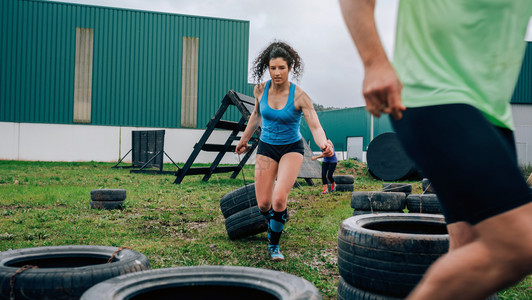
x=324, y=192
x=274, y=253
x=333, y=187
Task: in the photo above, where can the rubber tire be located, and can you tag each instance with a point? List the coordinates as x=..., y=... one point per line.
x=343, y=187
x=349, y=292
x=106, y=204
x=77, y=270
x=108, y=195
x=201, y=280
x=238, y=200
x=380, y=201
x=423, y=203
x=344, y=179
x=385, y=262
x=397, y=187
x=427, y=187
x=244, y=223
x=368, y=212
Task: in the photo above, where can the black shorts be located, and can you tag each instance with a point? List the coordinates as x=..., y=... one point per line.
x=275, y=152
x=471, y=163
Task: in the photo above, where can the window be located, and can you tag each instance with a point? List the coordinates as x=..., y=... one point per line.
x=83, y=75
x=189, y=82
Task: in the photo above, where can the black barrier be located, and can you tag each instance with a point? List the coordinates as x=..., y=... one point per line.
x=147, y=151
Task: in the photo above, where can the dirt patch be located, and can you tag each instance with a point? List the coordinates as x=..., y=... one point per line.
x=326, y=262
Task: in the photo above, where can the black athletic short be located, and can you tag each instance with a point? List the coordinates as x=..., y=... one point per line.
x=471, y=164
x=275, y=152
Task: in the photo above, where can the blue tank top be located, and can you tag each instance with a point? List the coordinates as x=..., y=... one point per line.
x=280, y=126
x=332, y=159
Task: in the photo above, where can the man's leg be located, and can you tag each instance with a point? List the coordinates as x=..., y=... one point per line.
x=473, y=168
x=460, y=234
x=498, y=258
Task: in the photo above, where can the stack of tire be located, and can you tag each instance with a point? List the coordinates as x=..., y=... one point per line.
x=426, y=203
x=242, y=216
x=107, y=198
x=63, y=272
x=384, y=256
x=344, y=183
x=391, y=199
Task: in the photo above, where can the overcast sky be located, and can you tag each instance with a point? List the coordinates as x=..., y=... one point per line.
x=315, y=28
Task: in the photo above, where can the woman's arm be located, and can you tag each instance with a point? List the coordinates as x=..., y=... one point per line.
x=303, y=103
x=253, y=123
x=317, y=156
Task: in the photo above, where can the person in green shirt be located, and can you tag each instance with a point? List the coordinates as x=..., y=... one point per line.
x=455, y=67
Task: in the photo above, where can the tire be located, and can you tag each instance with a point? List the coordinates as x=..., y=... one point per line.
x=427, y=187
x=108, y=195
x=388, y=254
x=205, y=282
x=344, y=179
x=349, y=292
x=369, y=212
x=106, y=204
x=397, y=187
x=245, y=223
x=343, y=187
x=426, y=203
x=378, y=201
x=238, y=200
x=64, y=272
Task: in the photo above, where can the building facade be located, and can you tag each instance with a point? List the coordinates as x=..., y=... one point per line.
x=86, y=76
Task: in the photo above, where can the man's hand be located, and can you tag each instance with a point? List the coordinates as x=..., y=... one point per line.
x=382, y=91
x=327, y=149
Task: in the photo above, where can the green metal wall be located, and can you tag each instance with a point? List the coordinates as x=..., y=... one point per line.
x=136, y=65
x=349, y=122
x=523, y=89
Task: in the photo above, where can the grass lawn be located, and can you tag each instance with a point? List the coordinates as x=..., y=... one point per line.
x=47, y=204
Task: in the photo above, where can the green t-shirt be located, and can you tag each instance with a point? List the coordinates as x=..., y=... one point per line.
x=461, y=51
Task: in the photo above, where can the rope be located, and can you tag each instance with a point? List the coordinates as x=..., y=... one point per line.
x=244, y=178
x=369, y=199
x=421, y=202
x=387, y=190
x=12, y=280
x=395, y=188
x=116, y=252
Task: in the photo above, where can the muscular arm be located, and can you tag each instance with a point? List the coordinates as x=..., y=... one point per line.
x=381, y=86
x=253, y=123
x=304, y=103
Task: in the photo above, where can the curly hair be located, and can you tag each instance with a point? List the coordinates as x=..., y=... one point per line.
x=277, y=49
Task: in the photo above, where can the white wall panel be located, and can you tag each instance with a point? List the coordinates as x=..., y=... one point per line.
x=53, y=142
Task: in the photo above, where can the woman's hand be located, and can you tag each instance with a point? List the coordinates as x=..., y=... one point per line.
x=242, y=147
